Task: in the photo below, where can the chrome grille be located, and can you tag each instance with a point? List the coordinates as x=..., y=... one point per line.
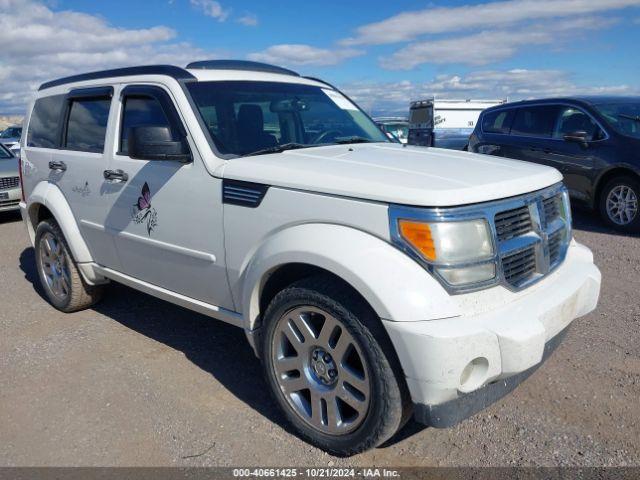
x=555, y=246
x=536, y=243
x=551, y=208
x=519, y=266
x=7, y=183
x=513, y=223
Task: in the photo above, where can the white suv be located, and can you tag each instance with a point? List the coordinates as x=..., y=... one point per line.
x=372, y=279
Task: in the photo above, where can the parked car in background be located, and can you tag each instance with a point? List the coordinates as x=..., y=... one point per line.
x=373, y=280
x=9, y=180
x=10, y=137
x=444, y=123
x=396, y=127
x=593, y=141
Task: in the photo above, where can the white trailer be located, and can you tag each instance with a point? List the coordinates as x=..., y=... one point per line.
x=445, y=123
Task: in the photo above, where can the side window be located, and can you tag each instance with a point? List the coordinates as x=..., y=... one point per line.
x=571, y=119
x=140, y=111
x=45, y=121
x=498, y=121
x=535, y=121
x=87, y=124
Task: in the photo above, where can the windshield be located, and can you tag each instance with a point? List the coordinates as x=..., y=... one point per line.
x=261, y=117
x=622, y=117
x=11, y=133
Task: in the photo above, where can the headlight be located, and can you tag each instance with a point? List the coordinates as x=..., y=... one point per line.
x=460, y=253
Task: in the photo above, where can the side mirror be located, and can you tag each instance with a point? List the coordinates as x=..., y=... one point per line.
x=156, y=143
x=580, y=137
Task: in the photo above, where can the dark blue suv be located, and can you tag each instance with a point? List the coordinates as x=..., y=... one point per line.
x=593, y=141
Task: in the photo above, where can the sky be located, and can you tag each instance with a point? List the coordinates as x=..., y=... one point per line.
x=382, y=53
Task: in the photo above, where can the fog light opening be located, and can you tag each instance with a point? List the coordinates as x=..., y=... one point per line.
x=474, y=374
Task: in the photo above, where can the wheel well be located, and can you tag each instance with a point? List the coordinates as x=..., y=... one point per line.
x=286, y=275
x=615, y=172
x=38, y=213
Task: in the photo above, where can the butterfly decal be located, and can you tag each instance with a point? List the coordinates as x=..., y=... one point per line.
x=143, y=211
x=144, y=201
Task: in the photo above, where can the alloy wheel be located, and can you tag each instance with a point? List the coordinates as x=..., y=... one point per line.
x=321, y=370
x=622, y=205
x=54, y=266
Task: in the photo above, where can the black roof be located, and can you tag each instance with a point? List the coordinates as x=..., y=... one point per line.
x=585, y=100
x=172, y=71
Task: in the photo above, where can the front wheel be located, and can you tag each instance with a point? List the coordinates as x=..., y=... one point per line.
x=619, y=204
x=329, y=373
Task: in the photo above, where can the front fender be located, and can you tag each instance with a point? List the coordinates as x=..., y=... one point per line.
x=51, y=197
x=395, y=286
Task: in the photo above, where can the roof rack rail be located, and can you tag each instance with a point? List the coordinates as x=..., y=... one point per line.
x=170, y=70
x=240, y=65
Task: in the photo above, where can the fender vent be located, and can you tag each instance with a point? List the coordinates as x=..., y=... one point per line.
x=244, y=194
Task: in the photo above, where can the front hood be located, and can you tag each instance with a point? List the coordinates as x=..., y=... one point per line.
x=9, y=167
x=393, y=173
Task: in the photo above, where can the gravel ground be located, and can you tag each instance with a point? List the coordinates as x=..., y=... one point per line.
x=137, y=381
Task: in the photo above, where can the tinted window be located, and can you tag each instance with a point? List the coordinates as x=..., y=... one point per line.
x=572, y=120
x=535, y=121
x=44, y=122
x=87, y=125
x=137, y=112
x=498, y=121
x=623, y=117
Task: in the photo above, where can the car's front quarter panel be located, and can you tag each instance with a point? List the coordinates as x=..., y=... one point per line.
x=346, y=237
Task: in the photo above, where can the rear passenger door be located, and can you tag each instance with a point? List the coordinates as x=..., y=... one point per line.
x=531, y=134
x=76, y=166
x=165, y=216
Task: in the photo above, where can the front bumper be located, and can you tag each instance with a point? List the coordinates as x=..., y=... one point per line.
x=10, y=199
x=445, y=360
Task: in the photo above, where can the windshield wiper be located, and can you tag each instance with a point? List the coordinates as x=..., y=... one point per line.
x=277, y=149
x=352, y=139
x=635, y=118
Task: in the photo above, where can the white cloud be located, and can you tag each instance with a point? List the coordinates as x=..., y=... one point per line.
x=211, y=8
x=515, y=84
x=248, y=20
x=299, y=54
x=39, y=44
x=407, y=26
x=490, y=45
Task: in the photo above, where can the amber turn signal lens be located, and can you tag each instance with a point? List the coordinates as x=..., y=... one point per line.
x=418, y=235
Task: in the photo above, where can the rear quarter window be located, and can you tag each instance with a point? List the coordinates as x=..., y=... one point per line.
x=45, y=121
x=498, y=121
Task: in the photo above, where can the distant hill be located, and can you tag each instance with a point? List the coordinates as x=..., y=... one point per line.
x=8, y=120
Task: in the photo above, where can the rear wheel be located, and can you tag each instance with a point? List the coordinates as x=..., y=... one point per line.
x=328, y=371
x=619, y=204
x=58, y=272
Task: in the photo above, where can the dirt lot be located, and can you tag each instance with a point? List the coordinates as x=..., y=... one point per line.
x=137, y=381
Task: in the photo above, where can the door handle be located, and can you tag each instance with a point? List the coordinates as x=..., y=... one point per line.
x=115, y=175
x=58, y=166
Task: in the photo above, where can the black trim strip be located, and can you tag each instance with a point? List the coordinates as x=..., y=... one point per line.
x=97, y=92
x=243, y=194
x=169, y=70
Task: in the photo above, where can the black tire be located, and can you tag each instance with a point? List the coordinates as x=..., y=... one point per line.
x=389, y=405
x=78, y=295
x=629, y=182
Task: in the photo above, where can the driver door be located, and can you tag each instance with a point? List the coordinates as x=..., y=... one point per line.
x=166, y=218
